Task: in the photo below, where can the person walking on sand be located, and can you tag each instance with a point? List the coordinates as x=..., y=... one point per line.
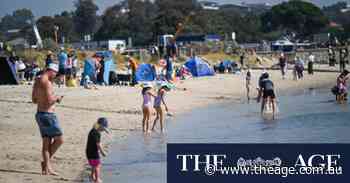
x=146, y=106
x=310, y=65
x=158, y=106
x=283, y=65
x=46, y=118
x=248, y=84
x=94, y=148
x=62, y=59
x=133, y=67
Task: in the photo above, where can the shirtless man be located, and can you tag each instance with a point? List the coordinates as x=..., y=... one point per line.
x=50, y=130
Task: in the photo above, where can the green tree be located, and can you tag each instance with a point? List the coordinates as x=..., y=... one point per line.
x=131, y=18
x=46, y=26
x=18, y=20
x=171, y=13
x=66, y=27
x=85, y=17
x=299, y=16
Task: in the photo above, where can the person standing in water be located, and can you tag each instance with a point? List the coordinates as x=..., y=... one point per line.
x=268, y=94
x=146, y=106
x=46, y=118
x=260, y=85
x=158, y=106
x=94, y=148
x=342, y=86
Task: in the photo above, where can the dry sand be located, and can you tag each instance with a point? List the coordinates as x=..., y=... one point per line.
x=20, y=139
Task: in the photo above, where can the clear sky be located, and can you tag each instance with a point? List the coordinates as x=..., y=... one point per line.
x=51, y=7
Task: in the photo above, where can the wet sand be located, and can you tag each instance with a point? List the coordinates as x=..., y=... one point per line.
x=20, y=139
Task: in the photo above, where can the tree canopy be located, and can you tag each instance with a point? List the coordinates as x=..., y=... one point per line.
x=85, y=17
x=298, y=16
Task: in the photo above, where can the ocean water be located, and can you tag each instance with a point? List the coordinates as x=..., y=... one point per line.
x=309, y=117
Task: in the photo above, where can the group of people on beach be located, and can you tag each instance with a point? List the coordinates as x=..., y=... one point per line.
x=50, y=130
x=299, y=66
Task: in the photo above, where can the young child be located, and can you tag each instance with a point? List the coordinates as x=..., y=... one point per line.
x=88, y=84
x=94, y=147
x=146, y=106
x=158, y=106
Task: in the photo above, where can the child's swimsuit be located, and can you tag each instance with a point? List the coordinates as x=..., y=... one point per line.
x=158, y=101
x=147, y=100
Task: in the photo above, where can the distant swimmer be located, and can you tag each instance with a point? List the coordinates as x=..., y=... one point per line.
x=46, y=118
x=268, y=94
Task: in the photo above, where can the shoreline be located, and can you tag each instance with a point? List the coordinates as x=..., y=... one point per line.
x=80, y=108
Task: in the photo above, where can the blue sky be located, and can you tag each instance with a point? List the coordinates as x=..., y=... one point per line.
x=51, y=7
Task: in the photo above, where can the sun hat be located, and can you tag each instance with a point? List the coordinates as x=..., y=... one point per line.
x=147, y=85
x=103, y=123
x=165, y=85
x=53, y=67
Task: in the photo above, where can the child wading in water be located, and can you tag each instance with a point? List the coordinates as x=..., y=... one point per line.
x=158, y=106
x=94, y=147
x=146, y=106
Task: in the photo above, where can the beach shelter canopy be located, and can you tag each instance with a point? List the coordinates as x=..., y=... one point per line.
x=226, y=64
x=199, y=68
x=145, y=72
x=7, y=72
x=90, y=68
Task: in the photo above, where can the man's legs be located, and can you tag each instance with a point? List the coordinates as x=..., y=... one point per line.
x=55, y=144
x=46, y=155
x=50, y=146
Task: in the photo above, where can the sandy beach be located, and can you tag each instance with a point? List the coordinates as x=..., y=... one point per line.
x=20, y=139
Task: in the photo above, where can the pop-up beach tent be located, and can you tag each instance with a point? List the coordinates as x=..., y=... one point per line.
x=145, y=72
x=199, y=68
x=7, y=72
x=90, y=68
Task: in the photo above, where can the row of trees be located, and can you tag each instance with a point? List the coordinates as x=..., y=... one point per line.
x=144, y=20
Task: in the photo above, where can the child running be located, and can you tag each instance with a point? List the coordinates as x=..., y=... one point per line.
x=146, y=106
x=158, y=106
x=94, y=147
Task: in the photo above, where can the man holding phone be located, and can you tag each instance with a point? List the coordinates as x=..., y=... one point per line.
x=46, y=118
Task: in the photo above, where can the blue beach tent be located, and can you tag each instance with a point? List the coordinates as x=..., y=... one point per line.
x=145, y=72
x=199, y=68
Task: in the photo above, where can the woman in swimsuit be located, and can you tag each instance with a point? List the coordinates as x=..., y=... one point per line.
x=146, y=106
x=158, y=106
